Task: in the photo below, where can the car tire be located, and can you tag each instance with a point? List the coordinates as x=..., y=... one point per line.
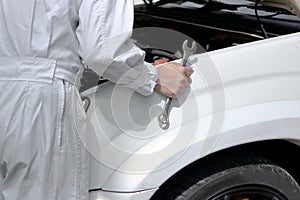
x=253, y=178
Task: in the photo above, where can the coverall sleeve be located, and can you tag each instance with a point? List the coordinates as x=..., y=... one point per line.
x=104, y=31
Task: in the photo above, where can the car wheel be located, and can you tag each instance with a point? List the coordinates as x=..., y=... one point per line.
x=257, y=179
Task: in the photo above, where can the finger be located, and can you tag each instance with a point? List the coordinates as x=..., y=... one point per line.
x=187, y=82
x=188, y=71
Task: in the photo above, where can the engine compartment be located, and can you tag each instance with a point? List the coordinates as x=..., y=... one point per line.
x=212, y=24
x=215, y=24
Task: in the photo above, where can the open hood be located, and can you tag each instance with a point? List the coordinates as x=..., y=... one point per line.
x=290, y=5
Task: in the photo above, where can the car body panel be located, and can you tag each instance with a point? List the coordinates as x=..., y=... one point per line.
x=260, y=84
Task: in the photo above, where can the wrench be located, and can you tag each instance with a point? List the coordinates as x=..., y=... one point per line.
x=163, y=118
x=187, y=52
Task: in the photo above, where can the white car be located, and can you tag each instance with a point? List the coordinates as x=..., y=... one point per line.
x=235, y=135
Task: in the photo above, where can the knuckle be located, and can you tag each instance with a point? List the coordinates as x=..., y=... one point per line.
x=187, y=81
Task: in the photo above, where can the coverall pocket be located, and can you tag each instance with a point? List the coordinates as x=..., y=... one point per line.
x=80, y=117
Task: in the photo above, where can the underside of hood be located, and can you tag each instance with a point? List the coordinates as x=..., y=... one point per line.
x=291, y=5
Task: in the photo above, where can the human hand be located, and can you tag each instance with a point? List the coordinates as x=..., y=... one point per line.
x=173, y=79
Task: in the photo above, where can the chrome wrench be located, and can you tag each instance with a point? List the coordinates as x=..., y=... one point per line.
x=163, y=118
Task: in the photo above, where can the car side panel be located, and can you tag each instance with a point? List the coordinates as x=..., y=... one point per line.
x=239, y=95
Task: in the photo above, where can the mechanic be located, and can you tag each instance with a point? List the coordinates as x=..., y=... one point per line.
x=44, y=45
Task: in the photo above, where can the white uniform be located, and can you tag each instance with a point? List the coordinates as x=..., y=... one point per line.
x=43, y=44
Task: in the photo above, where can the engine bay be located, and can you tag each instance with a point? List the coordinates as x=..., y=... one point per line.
x=212, y=24
x=215, y=24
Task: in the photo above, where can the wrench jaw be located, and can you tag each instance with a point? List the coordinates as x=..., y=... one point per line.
x=164, y=122
x=163, y=118
x=186, y=48
x=187, y=52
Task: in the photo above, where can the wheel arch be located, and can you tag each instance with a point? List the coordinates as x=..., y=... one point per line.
x=273, y=150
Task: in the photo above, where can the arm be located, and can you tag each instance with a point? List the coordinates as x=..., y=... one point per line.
x=105, y=27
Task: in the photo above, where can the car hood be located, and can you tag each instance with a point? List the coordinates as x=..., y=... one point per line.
x=291, y=5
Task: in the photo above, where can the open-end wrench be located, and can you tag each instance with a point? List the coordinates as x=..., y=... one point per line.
x=163, y=118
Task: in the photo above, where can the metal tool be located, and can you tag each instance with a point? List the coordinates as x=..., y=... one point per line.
x=187, y=52
x=163, y=118
x=86, y=103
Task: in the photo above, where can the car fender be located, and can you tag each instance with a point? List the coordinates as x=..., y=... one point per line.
x=239, y=95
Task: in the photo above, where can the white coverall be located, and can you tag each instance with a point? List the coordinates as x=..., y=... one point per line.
x=43, y=45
